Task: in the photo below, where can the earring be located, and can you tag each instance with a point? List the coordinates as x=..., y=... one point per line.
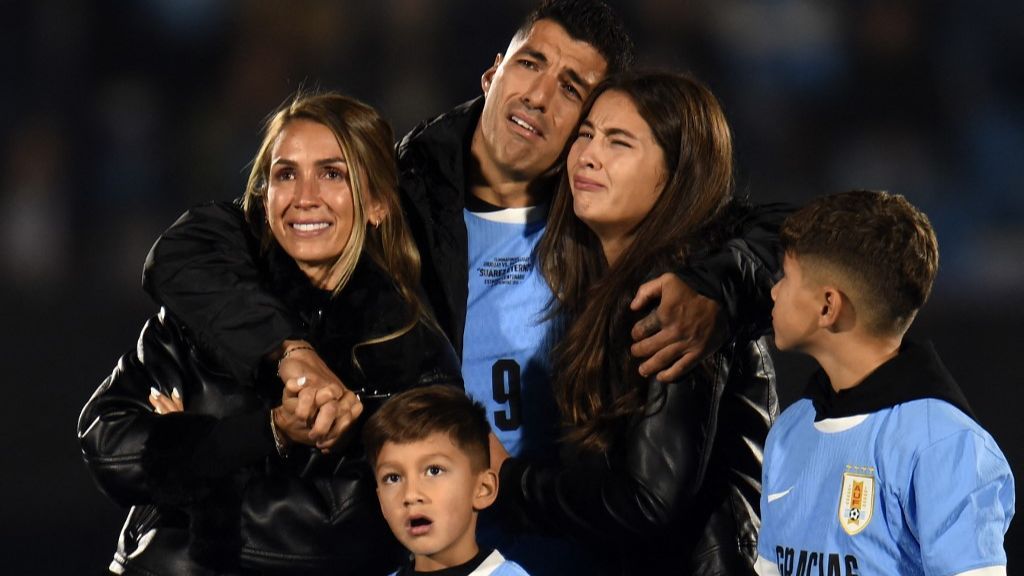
x=376, y=224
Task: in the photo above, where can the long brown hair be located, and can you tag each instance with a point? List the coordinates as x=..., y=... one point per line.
x=597, y=386
x=367, y=143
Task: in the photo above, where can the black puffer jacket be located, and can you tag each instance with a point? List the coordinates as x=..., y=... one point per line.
x=679, y=491
x=208, y=492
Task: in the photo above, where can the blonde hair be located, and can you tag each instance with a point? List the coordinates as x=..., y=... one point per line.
x=367, y=144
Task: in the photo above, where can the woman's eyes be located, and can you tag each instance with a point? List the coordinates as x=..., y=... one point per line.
x=588, y=135
x=328, y=173
x=334, y=173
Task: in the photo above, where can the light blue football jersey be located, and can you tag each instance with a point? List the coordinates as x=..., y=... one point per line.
x=917, y=488
x=505, y=362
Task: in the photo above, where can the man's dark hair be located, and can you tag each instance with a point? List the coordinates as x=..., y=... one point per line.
x=415, y=414
x=879, y=242
x=590, y=21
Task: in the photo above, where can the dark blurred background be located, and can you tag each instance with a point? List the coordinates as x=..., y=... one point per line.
x=118, y=115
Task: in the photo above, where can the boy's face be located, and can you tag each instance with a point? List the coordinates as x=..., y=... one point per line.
x=429, y=494
x=797, y=307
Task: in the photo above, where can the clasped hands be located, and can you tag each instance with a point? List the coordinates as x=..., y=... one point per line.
x=316, y=408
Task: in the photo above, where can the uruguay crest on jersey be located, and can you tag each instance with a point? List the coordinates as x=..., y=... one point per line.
x=857, y=499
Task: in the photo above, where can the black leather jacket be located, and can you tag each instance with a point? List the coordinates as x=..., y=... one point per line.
x=208, y=492
x=679, y=492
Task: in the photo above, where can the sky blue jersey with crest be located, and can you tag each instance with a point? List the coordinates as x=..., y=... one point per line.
x=917, y=488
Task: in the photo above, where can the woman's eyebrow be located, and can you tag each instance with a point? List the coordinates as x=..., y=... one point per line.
x=323, y=162
x=620, y=132
x=331, y=160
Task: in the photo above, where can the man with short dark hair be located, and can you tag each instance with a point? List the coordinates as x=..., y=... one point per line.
x=475, y=184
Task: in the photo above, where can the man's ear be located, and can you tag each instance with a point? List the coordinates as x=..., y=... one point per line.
x=488, y=75
x=486, y=489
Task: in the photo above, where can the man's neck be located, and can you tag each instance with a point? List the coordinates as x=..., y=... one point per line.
x=850, y=358
x=508, y=191
x=505, y=195
x=495, y=186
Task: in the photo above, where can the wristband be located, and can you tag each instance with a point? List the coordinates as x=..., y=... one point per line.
x=289, y=351
x=279, y=443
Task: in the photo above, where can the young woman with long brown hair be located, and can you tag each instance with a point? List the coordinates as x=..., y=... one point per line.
x=651, y=475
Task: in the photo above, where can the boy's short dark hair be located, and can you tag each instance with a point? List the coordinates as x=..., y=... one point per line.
x=591, y=21
x=878, y=242
x=415, y=414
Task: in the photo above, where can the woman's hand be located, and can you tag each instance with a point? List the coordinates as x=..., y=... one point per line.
x=316, y=415
x=166, y=404
x=299, y=359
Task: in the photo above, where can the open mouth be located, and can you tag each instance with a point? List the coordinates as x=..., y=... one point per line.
x=419, y=525
x=525, y=125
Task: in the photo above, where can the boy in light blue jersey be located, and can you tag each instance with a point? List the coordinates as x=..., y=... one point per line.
x=430, y=453
x=881, y=468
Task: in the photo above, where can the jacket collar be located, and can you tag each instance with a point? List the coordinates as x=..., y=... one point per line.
x=916, y=372
x=444, y=142
x=369, y=303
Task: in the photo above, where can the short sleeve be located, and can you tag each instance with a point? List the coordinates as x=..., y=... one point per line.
x=767, y=522
x=961, y=503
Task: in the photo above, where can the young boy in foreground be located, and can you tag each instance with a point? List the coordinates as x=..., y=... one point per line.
x=880, y=468
x=430, y=454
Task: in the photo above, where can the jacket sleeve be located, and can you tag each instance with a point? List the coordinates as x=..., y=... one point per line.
x=204, y=270
x=139, y=457
x=627, y=495
x=740, y=275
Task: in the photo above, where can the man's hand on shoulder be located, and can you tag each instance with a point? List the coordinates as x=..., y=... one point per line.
x=685, y=328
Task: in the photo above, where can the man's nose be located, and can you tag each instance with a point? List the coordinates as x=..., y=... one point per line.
x=540, y=91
